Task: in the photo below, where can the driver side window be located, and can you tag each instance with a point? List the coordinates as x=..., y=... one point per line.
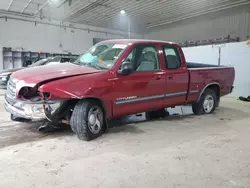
x=144, y=58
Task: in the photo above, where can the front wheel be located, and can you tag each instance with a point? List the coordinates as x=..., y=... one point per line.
x=207, y=103
x=87, y=120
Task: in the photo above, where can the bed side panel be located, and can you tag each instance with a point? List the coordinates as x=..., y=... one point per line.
x=200, y=78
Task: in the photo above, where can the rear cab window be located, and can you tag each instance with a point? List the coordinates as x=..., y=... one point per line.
x=172, y=57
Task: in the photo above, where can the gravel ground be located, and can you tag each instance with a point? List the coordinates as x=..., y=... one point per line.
x=179, y=151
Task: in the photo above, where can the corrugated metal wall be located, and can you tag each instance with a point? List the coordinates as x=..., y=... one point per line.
x=234, y=22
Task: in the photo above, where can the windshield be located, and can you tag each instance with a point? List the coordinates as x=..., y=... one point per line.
x=102, y=55
x=38, y=63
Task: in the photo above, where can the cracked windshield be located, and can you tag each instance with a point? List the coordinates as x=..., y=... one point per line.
x=102, y=55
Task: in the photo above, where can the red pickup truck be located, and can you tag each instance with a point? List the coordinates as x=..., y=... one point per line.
x=112, y=79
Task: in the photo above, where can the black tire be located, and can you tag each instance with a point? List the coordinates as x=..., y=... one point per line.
x=161, y=113
x=198, y=108
x=79, y=120
x=218, y=102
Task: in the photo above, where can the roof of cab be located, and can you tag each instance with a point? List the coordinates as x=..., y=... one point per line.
x=133, y=41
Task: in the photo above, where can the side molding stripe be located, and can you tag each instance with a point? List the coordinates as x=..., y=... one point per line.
x=141, y=99
x=175, y=94
x=193, y=91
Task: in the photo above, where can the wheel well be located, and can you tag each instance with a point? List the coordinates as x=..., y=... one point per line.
x=95, y=100
x=98, y=101
x=216, y=88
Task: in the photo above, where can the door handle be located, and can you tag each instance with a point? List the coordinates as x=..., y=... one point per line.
x=170, y=77
x=158, y=77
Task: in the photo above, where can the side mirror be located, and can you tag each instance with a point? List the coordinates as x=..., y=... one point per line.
x=126, y=68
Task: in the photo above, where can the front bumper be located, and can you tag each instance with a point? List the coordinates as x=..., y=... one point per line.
x=29, y=110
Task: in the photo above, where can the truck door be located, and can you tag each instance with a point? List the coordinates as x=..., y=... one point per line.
x=176, y=76
x=141, y=90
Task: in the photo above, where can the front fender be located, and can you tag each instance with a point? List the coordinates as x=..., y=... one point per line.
x=57, y=92
x=79, y=88
x=76, y=87
x=73, y=91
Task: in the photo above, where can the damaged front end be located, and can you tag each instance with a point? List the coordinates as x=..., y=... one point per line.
x=28, y=103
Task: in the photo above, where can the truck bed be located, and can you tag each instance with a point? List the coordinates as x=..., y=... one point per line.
x=201, y=75
x=192, y=65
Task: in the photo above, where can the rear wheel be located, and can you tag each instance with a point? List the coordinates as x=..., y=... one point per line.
x=155, y=114
x=87, y=120
x=207, y=103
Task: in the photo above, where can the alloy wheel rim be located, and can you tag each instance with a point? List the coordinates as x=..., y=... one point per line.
x=208, y=103
x=95, y=119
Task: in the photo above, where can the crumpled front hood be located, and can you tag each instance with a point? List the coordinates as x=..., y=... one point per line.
x=35, y=75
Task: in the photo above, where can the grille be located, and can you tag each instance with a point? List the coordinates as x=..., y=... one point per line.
x=11, y=88
x=10, y=100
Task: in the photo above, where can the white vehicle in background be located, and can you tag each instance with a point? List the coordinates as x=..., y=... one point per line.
x=61, y=59
x=5, y=74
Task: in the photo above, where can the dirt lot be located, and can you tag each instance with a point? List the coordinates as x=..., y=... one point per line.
x=179, y=151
